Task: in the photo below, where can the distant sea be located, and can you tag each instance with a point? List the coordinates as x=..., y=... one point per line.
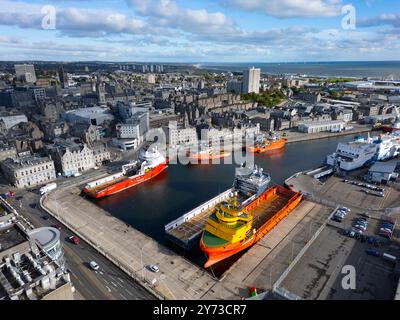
x=376, y=69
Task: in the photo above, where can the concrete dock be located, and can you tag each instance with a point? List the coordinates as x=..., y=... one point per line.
x=128, y=248
x=261, y=266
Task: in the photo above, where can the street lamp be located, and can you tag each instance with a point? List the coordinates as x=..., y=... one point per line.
x=141, y=260
x=270, y=276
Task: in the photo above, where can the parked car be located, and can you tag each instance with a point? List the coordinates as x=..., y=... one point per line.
x=386, y=230
x=337, y=219
x=360, y=227
x=58, y=227
x=154, y=268
x=387, y=226
x=373, y=252
x=362, y=221
x=338, y=214
x=94, y=265
x=356, y=230
x=74, y=240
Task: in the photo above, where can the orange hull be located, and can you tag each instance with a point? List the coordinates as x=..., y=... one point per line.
x=201, y=157
x=125, y=184
x=270, y=146
x=217, y=254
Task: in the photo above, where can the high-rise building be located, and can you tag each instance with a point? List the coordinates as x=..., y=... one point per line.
x=251, y=80
x=25, y=72
x=62, y=75
x=151, y=78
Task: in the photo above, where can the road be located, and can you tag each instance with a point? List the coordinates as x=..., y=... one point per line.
x=108, y=283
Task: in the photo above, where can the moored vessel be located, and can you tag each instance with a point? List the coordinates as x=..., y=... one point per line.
x=273, y=142
x=236, y=225
x=364, y=151
x=150, y=164
x=208, y=154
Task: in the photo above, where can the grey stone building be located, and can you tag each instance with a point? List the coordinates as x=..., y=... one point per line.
x=71, y=158
x=101, y=153
x=7, y=152
x=28, y=172
x=88, y=133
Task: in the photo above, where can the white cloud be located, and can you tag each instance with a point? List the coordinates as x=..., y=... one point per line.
x=169, y=14
x=392, y=19
x=73, y=21
x=164, y=30
x=288, y=8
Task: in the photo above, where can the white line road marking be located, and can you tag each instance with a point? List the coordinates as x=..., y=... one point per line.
x=120, y=280
x=114, y=284
x=123, y=297
x=130, y=293
x=101, y=272
x=109, y=290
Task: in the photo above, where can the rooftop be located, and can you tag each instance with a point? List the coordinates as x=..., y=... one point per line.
x=87, y=112
x=384, y=167
x=45, y=236
x=25, y=161
x=10, y=236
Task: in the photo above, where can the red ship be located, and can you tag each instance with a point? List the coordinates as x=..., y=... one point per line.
x=150, y=165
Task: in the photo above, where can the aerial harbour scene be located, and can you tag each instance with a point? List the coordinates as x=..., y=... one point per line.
x=168, y=150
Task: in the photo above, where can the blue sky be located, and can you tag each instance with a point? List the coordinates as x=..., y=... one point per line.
x=199, y=31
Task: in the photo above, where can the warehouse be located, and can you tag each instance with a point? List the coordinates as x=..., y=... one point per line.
x=382, y=172
x=321, y=126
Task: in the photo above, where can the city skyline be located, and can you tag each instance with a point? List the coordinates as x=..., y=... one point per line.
x=198, y=31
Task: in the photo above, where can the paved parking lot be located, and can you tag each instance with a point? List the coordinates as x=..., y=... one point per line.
x=318, y=274
x=353, y=196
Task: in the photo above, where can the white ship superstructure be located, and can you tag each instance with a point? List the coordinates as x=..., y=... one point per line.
x=388, y=146
x=353, y=155
x=356, y=154
x=251, y=182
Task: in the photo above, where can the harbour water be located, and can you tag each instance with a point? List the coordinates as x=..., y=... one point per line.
x=179, y=189
x=150, y=206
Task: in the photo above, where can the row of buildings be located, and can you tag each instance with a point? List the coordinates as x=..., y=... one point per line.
x=64, y=157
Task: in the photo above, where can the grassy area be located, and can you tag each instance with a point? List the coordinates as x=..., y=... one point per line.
x=268, y=99
x=331, y=80
x=339, y=80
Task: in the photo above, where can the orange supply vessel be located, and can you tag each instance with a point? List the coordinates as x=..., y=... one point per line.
x=150, y=164
x=269, y=145
x=235, y=226
x=208, y=154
